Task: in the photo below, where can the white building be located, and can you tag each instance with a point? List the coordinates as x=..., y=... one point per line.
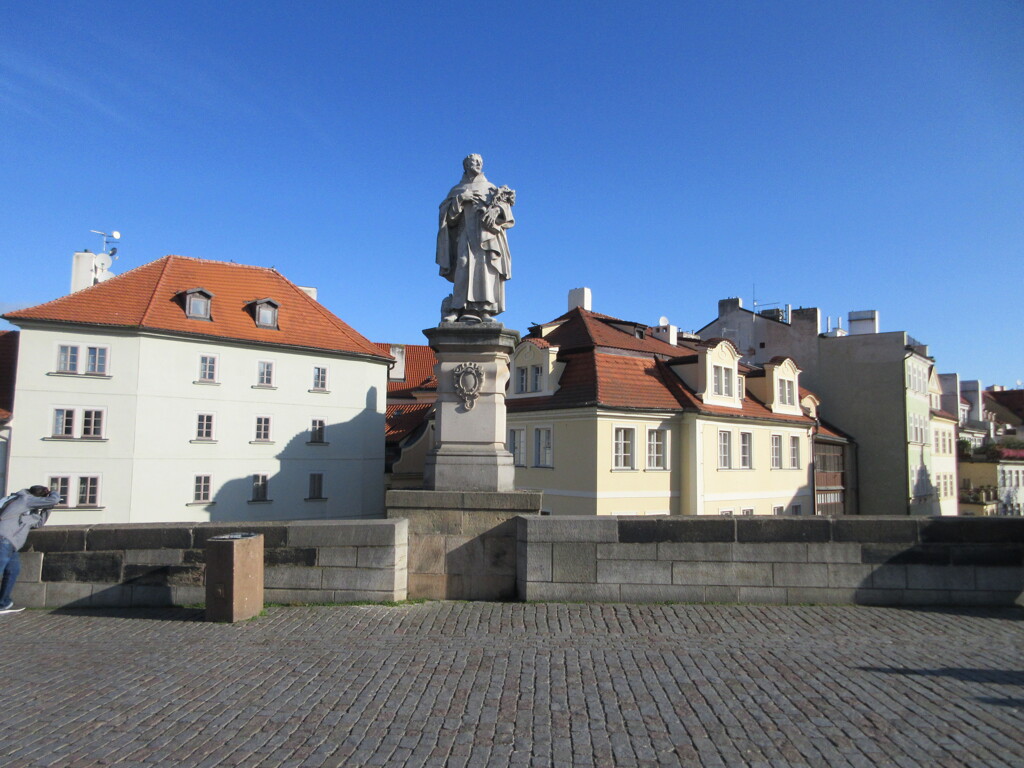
x=194, y=390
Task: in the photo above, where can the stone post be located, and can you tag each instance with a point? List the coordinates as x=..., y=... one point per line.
x=472, y=370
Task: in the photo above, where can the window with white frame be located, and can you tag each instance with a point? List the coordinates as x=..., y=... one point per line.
x=746, y=450
x=724, y=449
x=96, y=361
x=197, y=304
x=318, y=431
x=208, y=369
x=741, y=387
x=262, y=429
x=89, y=491
x=62, y=485
x=265, y=374
x=725, y=512
x=657, y=449
x=722, y=380
x=316, y=485
x=260, y=488
x=63, y=422
x=517, y=446
x=747, y=511
x=67, y=359
x=535, y=378
x=543, y=447
x=204, y=426
x=201, y=489
x=794, y=452
x=521, y=379
x=92, y=424
x=787, y=392
x=319, y=378
x=623, y=450
x=778, y=510
x=776, y=451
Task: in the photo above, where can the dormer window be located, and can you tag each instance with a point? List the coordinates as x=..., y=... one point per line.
x=787, y=392
x=197, y=304
x=722, y=381
x=264, y=312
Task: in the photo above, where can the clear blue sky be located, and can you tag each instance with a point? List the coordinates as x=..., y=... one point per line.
x=849, y=156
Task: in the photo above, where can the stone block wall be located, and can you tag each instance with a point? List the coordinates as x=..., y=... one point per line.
x=864, y=560
x=462, y=545
x=164, y=564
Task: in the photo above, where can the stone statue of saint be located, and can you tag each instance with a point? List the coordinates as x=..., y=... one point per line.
x=472, y=249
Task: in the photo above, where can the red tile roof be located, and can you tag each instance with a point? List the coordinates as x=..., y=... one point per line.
x=419, y=370
x=8, y=371
x=147, y=298
x=943, y=415
x=582, y=328
x=402, y=420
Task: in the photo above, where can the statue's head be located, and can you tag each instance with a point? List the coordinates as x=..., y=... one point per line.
x=473, y=164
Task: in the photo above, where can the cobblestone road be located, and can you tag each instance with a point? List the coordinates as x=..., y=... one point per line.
x=453, y=684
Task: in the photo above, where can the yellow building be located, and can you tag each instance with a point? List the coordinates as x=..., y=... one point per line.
x=610, y=417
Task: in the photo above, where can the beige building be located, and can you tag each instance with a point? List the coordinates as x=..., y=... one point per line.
x=610, y=417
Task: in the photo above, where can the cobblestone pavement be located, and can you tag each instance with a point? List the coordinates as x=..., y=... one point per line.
x=486, y=684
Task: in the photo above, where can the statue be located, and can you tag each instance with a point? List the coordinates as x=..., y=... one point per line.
x=472, y=249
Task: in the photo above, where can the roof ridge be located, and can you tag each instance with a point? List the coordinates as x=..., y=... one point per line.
x=156, y=287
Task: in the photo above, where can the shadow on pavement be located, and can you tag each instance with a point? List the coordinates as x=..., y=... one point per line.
x=172, y=613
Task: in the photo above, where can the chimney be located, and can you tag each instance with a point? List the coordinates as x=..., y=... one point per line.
x=862, y=322
x=580, y=297
x=667, y=333
x=82, y=270
x=397, y=372
x=729, y=305
x=311, y=292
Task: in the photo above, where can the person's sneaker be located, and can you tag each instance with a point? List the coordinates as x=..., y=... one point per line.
x=9, y=608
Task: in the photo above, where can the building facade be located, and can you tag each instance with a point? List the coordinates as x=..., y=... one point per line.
x=194, y=390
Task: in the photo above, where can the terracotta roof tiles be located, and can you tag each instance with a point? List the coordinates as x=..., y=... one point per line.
x=147, y=298
x=419, y=369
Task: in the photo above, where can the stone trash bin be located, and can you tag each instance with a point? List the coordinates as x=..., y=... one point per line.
x=234, y=576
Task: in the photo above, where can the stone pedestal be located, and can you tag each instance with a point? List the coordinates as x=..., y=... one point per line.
x=469, y=452
x=234, y=577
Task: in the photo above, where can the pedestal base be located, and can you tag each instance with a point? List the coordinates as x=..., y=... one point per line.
x=453, y=467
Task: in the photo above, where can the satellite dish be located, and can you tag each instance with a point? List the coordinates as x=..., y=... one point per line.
x=113, y=251
x=116, y=235
x=662, y=320
x=102, y=262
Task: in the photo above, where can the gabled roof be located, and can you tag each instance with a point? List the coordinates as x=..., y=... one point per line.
x=8, y=372
x=581, y=328
x=400, y=421
x=1011, y=399
x=419, y=370
x=147, y=298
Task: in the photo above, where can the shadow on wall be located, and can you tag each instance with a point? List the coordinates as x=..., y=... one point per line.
x=320, y=474
x=961, y=561
x=924, y=488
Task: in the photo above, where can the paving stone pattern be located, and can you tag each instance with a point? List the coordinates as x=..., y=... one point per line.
x=489, y=684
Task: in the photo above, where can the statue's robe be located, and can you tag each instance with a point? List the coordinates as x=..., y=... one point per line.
x=475, y=258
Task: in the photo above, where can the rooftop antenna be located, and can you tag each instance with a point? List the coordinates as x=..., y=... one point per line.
x=113, y=237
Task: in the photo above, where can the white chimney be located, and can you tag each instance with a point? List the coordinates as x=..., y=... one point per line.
x=311, y=292
x=397, y=372
x=865, y=321
x=580, y=297
x=667, y=332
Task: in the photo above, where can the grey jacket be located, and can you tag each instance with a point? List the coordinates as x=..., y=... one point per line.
x=23, y=513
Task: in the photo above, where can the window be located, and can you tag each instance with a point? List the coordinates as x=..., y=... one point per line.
x=517, y=446
x=63, y=422
x=262, y=429
x=259, y=488
x=319, y=378
x=265, y=312
x=318, y=431
x=787, y=392
x=722, y=380
x=622, y=453
x=201, y=488
x=207, y=368
x=88, y=491
x=92, y=424
x=747, y=512
x=725, y=512
x=96, y=361
x=746, y=450
x=543, y=449
x=741, y=387
x=316, y=485
x=204, y=426
x=776, y=451
x=794, y=452
x=265, y=374
x=797, y=509
x=778, y=510
x=724, y=450
x=521, y=379
x=61, y=485
x=197, y=304
x=656, y=456
x=535, y=376
x=67, y=359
